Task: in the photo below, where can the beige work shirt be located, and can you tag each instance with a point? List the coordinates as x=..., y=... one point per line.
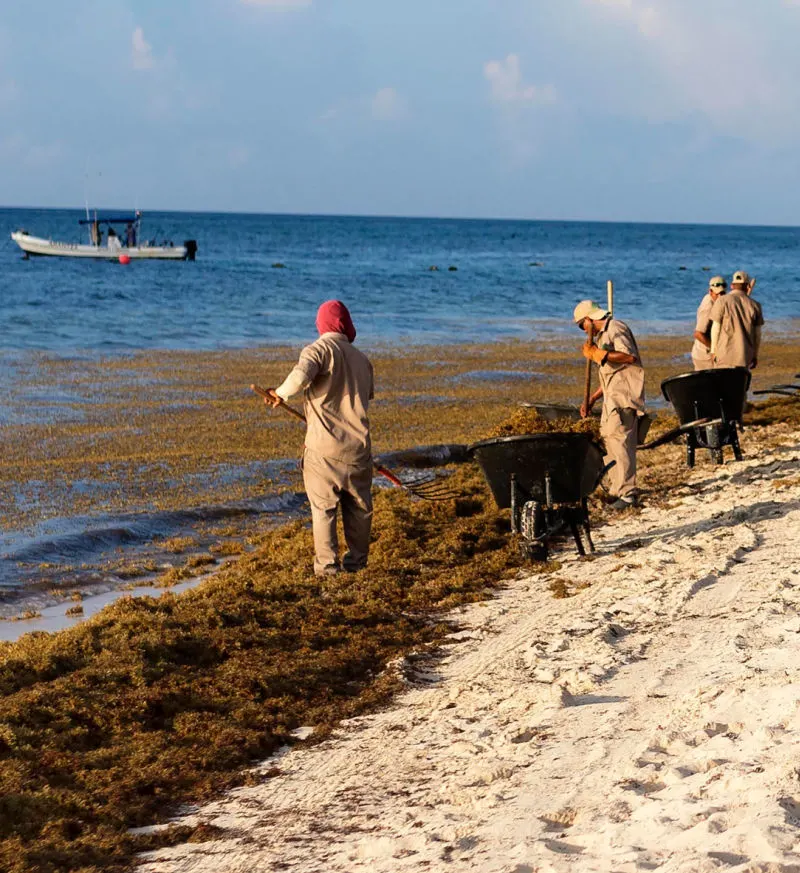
x=337, y=383
x=702, y=354
x=738, y=316
x=622, y=384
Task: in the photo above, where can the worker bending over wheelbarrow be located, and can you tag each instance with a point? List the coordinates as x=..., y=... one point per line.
x=612, y=346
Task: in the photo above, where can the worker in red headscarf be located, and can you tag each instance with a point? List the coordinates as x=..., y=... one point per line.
x=336, y=382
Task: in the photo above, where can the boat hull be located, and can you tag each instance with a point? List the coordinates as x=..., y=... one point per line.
x=34, y=245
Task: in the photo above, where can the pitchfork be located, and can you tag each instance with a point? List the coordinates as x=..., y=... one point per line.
x=429, y=488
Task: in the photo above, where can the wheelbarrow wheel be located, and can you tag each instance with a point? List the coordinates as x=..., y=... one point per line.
x=717, y=456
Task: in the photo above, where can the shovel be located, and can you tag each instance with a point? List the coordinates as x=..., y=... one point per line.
x=431, y=488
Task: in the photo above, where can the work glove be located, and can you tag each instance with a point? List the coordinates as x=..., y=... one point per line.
x=593, y=353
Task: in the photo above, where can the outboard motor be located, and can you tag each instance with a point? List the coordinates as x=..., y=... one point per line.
x=191, y=248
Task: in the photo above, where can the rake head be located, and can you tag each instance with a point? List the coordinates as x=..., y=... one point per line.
x=433, y=488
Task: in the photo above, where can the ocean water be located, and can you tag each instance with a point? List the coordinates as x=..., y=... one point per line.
x=512, y=279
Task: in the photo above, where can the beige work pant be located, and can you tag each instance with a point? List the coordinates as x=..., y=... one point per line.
x=619, y=429
x=330, y=484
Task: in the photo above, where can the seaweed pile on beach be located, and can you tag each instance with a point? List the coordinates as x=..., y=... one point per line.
x=526, y=420
x=157, y=702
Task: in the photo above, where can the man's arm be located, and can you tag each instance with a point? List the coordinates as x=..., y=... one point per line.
x=585, y=410
x=756, y=345
x=606, y=356
x=301, y=376
x=702, y=338
x=716, y=326
x=293, y=385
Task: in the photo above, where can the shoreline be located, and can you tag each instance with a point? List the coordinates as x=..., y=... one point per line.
x=118, y=439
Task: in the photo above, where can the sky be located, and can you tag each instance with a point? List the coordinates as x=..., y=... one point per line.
x=621, y=110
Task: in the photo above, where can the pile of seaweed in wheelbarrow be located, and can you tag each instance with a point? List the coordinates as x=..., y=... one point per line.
x=530, y=420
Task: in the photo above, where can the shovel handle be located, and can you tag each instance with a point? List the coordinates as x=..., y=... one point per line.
x=587, y=384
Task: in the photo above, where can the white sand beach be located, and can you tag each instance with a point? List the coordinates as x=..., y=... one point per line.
x=649, y=722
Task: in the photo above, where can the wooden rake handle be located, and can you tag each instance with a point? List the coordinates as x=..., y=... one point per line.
x=262, y=392
x=384, y=471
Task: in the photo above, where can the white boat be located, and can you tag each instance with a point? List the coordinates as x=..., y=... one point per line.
x=110, y=249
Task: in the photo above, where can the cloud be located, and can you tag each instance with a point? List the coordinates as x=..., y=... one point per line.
x=518, y=129
x=141, y=51
x=505, y=78
x=388, y=105
x=743, y=77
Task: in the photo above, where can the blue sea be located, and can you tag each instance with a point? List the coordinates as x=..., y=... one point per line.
x=511, y=279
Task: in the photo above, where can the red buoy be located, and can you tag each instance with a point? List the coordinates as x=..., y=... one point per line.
x=124, y=259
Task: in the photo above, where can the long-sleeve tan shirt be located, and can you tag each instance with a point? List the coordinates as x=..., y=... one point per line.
x=735, y=342
x=336, y=381
x=622, y=384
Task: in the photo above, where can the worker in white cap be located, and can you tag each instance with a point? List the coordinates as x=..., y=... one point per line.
x=701, y=350
x=614, y=350
x=736, y=322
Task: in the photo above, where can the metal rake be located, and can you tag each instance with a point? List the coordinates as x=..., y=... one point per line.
x=433, y=487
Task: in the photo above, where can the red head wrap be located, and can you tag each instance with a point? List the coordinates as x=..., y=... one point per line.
x=333, y=317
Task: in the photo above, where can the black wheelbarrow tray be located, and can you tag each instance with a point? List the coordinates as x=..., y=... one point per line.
x=709, y=405
x=545, y=479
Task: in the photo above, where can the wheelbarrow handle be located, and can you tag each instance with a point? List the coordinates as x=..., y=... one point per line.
x=670, y=435
x=786, y=391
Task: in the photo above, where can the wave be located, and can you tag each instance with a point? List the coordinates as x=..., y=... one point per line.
x=106, y=533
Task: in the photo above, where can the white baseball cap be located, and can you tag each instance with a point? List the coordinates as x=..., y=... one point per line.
x=588, y=309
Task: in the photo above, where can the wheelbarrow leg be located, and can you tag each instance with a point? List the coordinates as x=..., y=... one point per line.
x=690, y=447
x=515, y=507
x=576, y=535
x=737, y=449
x=587, y=532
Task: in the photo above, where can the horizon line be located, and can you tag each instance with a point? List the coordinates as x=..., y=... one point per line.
x=398, y=217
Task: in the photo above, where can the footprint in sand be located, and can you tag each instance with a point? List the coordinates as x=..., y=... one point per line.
x=791, y=806
x=558, y=821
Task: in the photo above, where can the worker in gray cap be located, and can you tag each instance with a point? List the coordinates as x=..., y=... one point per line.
x=614, y=350
x=701, y=350
x=736, y=325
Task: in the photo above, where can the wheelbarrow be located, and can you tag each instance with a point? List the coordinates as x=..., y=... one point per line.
x=545, y=479
x=717, y=395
